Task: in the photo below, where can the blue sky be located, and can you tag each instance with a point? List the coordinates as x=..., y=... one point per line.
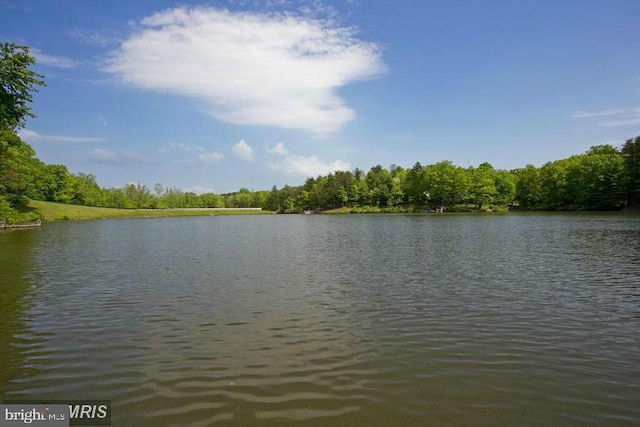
x=220, y=95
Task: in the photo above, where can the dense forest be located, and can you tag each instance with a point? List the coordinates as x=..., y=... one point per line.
x=605, y=177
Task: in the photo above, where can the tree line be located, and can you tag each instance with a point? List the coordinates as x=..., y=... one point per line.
x=605, y=177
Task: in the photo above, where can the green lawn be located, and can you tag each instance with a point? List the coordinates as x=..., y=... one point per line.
x=59, y=211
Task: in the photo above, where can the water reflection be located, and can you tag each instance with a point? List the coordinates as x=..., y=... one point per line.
x=16, y=299
x=357, y=320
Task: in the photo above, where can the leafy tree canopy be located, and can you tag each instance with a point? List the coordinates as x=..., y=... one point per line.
x=17, y=84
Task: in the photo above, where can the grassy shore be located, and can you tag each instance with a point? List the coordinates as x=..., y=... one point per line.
x=58, y=211
x=400, y=209
x=367, y=209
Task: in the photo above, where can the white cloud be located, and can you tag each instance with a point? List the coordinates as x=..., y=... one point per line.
x=102, y=155
x=242, y=150
x=301, y=166
x=32, y=136
x=614, y=117
x=52, y=60
x=250, y=68
x=210, y=158
x=278, y=149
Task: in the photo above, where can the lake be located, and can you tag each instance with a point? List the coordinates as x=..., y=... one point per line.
x=317, y=320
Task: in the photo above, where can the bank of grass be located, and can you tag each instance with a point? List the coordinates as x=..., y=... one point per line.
x=50, y=211
x=399, y=209
x=368, y=209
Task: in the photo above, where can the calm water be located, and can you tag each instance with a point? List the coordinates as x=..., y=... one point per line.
x=328, y=320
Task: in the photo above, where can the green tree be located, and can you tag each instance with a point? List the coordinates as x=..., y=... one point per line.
x=309, y=194
x=54, y=184
x=596, y=179
x=415, y=188
x=379, y=183
x=483, y=186
x=605, y=149
x=273, y=200
x=112, y=197
x=505, y=183
x=631, y=155
x=137, y=196
x=243, y=199
x=398, y=178
x=211, y=200
x=86, y=190
x=528, y=191
x=171, y=198
x=261, y=199
x=190, y=200
x=445, y=184
x=19, y=169
x=343, y=186
x=288, y=199
x=5, y=209
x=358, y=190
x=17, y=84
x=553, y=183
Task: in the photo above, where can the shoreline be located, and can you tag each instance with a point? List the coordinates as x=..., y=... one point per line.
x=50, y=212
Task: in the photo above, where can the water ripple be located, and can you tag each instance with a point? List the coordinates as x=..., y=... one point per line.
x=359, y=320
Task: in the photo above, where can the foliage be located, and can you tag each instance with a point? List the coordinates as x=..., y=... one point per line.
x=444, y=184
x=594, y=180
x=631, y=156
x=5, y=209
x=528, y=190
x=19, y=169
x=602, y=178
x=17, y=83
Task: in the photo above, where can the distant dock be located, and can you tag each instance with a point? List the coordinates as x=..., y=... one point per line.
x=6, y=226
